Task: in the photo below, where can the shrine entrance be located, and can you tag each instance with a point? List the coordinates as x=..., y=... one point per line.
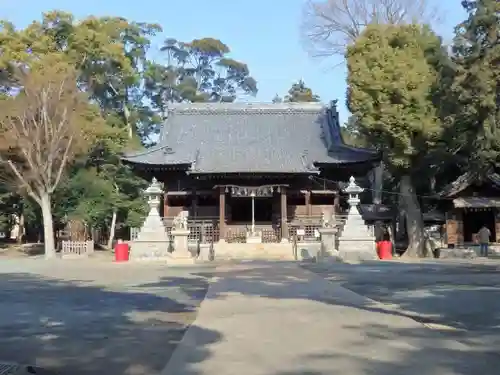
x=241, y=210
x=256, y=214
x=253, y=204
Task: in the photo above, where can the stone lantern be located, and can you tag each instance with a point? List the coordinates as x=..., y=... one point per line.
x=353, y=190
x=153, y=194
x=356, y=241
x=152, y=241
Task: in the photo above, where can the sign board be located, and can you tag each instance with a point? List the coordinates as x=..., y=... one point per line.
x=317, y=234
x=301, y=232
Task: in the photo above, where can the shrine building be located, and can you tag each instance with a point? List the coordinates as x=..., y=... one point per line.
x=248, y=167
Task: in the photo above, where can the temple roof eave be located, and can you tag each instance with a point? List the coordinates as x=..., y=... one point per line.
x=467, y=179
x=161, y=156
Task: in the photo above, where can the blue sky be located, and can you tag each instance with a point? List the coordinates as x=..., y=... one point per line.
x=263, y=33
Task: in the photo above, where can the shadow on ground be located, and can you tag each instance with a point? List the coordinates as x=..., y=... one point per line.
x=460, y=295
x=76, y=329
x=420, y=350
x=80, y=329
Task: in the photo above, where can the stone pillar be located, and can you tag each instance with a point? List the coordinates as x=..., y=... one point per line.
x=356, y=242
x=222, y=213
x=181, y=253
x=284, y=215
x=328, y=243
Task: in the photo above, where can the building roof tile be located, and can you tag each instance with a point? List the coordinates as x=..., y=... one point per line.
x=252, y=138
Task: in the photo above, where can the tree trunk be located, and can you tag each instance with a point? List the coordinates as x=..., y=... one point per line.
x=20, y=233
x=112, y=230
x=48, y=226
x=413, y=216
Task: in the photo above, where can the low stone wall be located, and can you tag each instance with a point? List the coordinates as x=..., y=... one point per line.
x=469, y=252
x=308, y=251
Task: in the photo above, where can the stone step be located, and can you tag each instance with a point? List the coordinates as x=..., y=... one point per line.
x=274, y=251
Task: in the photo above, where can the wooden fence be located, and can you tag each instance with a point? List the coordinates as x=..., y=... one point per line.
x=77, y=247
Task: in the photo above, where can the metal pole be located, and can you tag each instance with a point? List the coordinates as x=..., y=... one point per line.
x=253, y=213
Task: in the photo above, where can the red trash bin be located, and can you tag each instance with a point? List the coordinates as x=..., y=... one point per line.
x=121, y=252
x=384, y=250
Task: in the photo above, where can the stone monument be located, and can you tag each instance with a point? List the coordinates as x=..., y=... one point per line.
x=180, y=233
x=152, y=242
x=328, y=233
x=355, y=241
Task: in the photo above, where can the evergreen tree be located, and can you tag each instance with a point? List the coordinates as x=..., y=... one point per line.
x=476, y=87
x=299, y=92
x=392, y=76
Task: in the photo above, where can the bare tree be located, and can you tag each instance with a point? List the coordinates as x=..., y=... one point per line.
x=43, y=125
x=328, y=26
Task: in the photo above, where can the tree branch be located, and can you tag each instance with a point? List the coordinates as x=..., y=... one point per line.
x=62, y=166
x=329, y=26
x=24, y=183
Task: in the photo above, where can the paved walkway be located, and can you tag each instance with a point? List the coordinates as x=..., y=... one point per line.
x=279, y=319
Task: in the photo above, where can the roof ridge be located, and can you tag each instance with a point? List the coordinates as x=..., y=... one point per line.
x=239, y=108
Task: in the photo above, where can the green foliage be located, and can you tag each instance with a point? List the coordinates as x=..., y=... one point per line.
x=351, y=134
x=476, y=84
x=129, y=92
x=391, y=78
x=108, y=52
x=197, y=71
x=299, y=92
x=93, y=195
x=109, y=55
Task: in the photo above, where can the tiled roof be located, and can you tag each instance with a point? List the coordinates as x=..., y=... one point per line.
x=252, y=137
x=467, y=179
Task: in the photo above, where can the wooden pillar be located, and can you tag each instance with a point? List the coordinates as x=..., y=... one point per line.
x=284, y=214
x=165, y=205
x=308, y=204
x=222, y=213
x=336, y=204
x=194, y=203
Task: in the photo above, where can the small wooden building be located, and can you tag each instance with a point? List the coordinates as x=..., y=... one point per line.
x=470, y=202
x=230, y=163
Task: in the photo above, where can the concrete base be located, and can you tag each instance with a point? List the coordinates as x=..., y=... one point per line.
x=149, y=250
x=315, y=252
x=159, y=251
x=205, y=255
x=268, y=251
x=254, y=239
x=357, y=249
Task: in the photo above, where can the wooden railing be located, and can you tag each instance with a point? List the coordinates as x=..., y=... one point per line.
x=237, y=233
x=204, y=230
